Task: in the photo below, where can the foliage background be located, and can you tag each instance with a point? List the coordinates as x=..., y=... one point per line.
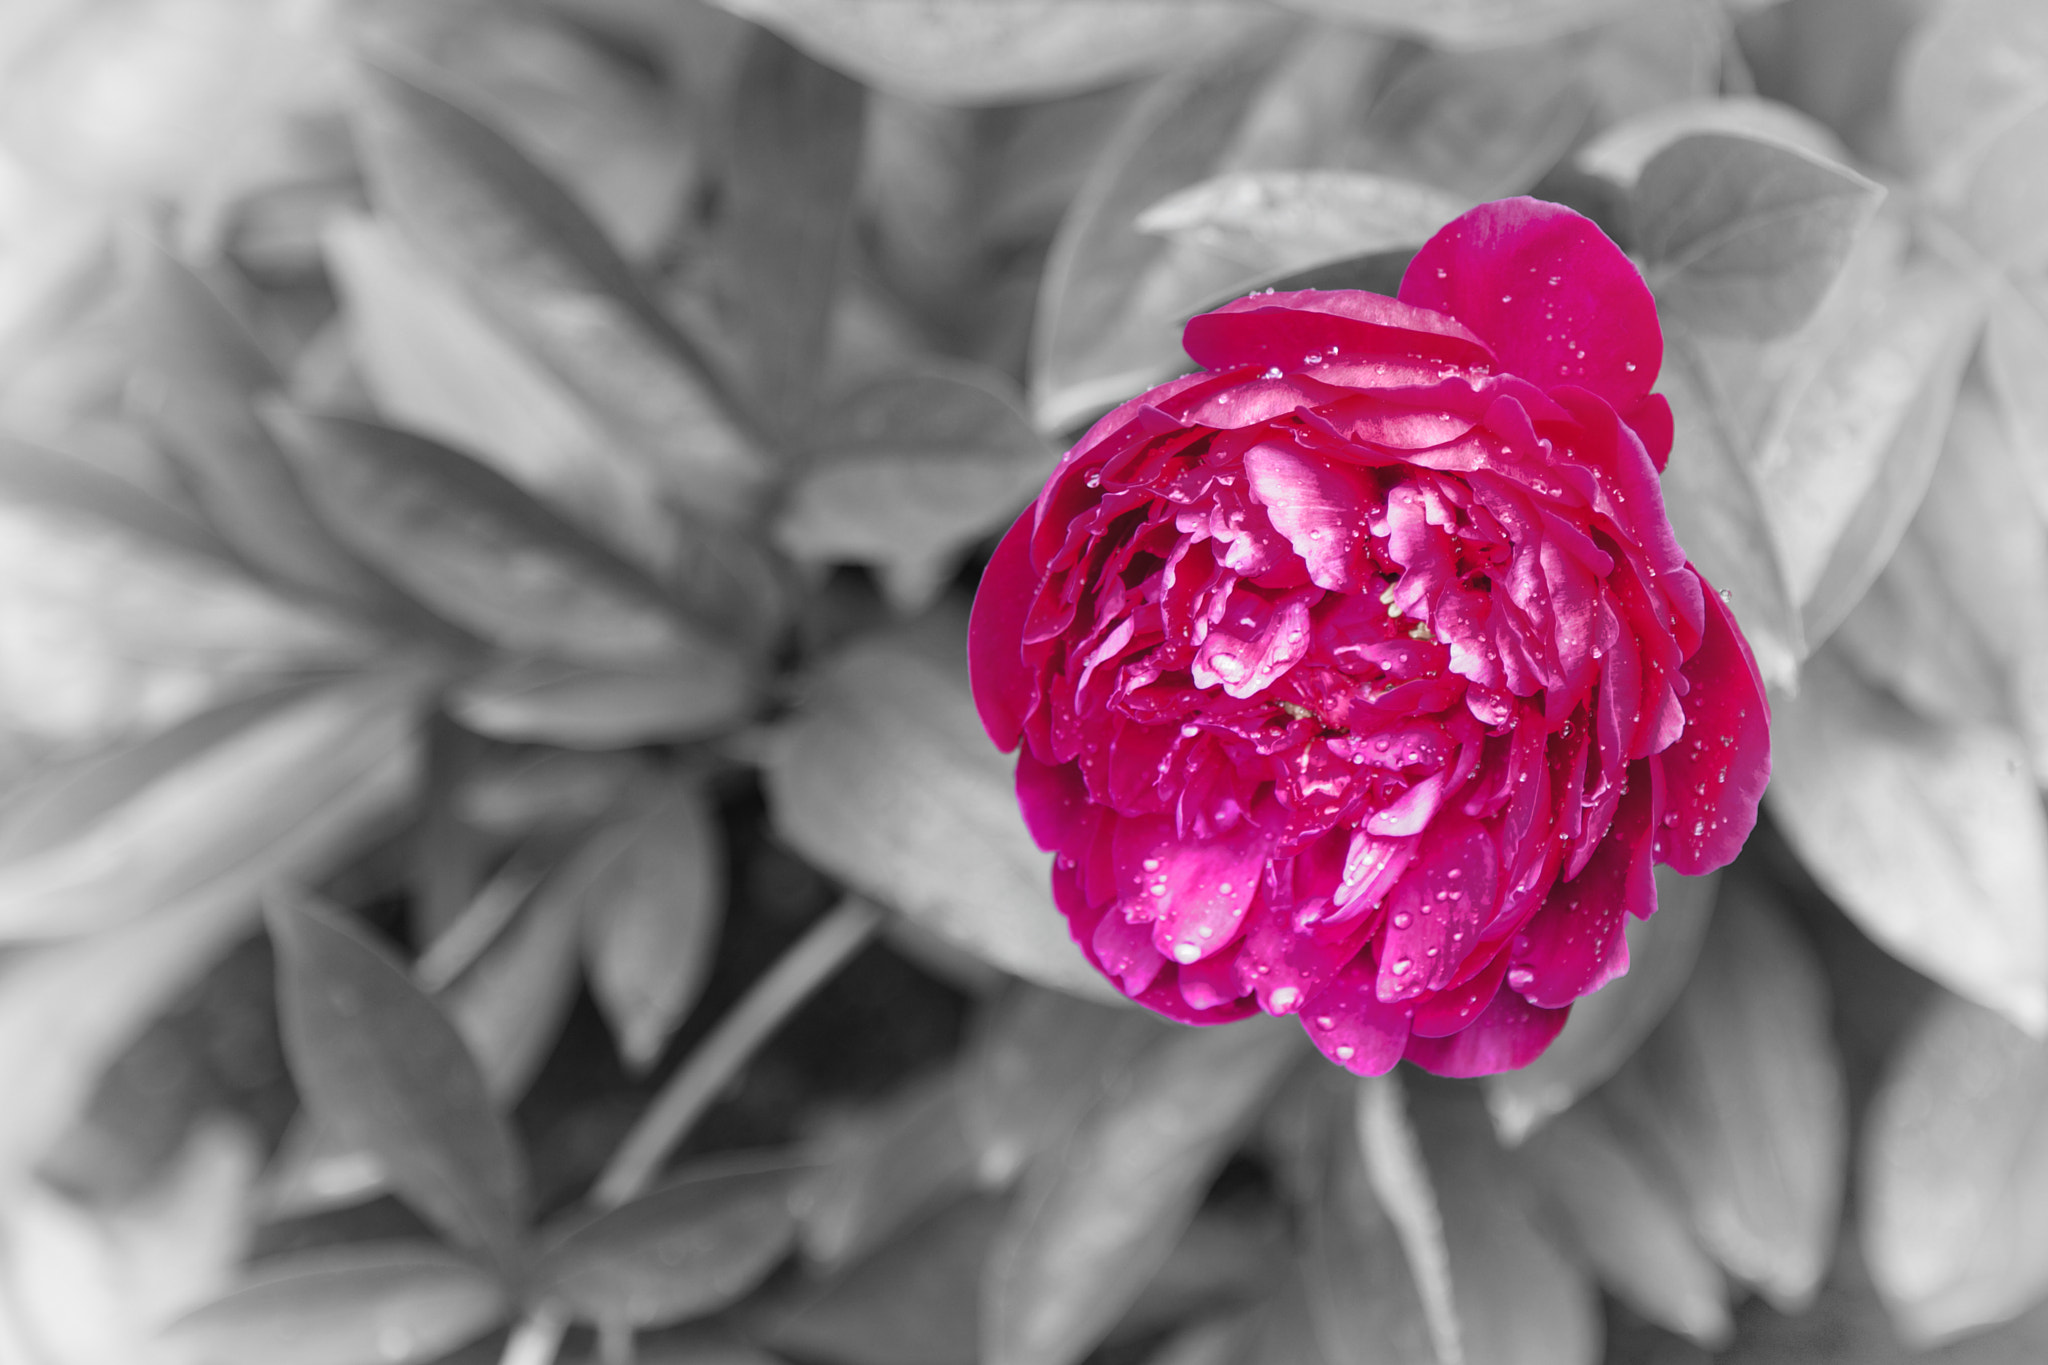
x=488, y=498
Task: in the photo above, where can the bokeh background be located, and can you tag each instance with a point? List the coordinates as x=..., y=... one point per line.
x=489, y=494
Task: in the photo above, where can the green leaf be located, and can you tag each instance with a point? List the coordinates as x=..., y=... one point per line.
x=884, y=1166
x=534, y=699
x=917, y=469
x=1607, y=1026
x=1208, y=1341
x=1739, y=1095
x=534, y=258
x=52, y=483
x=1912, y=637
x=1843, y=468
x=1515, y=1297
x=477, y=548
x=1742, y=236
x=1277, y=222
x=1718, y=515
x=380, y=1064
x=913, y=1302
x=1361, y=1297
x=436, y=363
x=364, y=1304
x=1005, y=51
x=1956, y=1171
x=1619, y=154
x=688, y=1248
x=1113, y=298
x=1930, y=836
x=1479, y=125
x=208, y=810
x=1039, y=1060
x=1964, y=75
x=886, y=780
x=1227, y=1258
x=1626, y=1230
x=198, y=373
x=1383, y=1129
x=2015, y=356
x=1091, y=1229
x=1460, y=24
x=652, y=900
x=2004, y=207
x=787, y=197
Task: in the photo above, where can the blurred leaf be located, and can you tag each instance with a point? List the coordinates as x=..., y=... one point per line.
x=476, y=547
x=1956, y=1175
x=380, y=1063
x=1091, y=1229
x=1620, y=152
x=1967, y=71
x=47, y=481
x=1717, y=512
x=529, y=699
x=1113, y=298
x=651, y=905
x=203, y=811
x=350, y=1305
x=886, y=780
x=1227, y=1258
x=2004, y=206
x=1516, y=1297
x=786, y=200
x=436, y=363
x=690, y=1247
x=1479, y=125
x=1744, y=236
x=918, y=467
x=1459, y=24
x=199, y=370
x=1287, y=1334
x=1607, y=1026
x=1911, y=636
x=1625, y=1229
x=1005, y=51
x=1739, y=1095
x=1361, y=1297
x=1931, y=836
x=1845, y=465
x=2015, y=356
x=1398, y=1174
x=534, y=258
x=1038, y=1061
x=1278, y=221
x=883, y=1166
x=914, y=1302
x=1208, y=1341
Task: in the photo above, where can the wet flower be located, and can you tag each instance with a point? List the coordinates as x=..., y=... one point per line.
x=1359, y=675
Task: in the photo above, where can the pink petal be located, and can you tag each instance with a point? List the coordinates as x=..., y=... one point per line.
x=1436, y=910
x=1055, y=803
x=1556, y=300
x=1458, y=1007
x=995, y=636
x=1652, y=423
x=1716, y=771
x=1574, y=944
x=1342, y=326
x=1194, y=892
x=1319, y=506
x=1511, y=1033
x=1353, y=1027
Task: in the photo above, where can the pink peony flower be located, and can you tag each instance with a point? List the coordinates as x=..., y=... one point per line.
x=1359, y=676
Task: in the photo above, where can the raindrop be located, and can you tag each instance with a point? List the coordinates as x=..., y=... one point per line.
x=1401, y=967
x=1403, y=920
x=1345, y=1052
x=1186, y=953
x=1286, y=998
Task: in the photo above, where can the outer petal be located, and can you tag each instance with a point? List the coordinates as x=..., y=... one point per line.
x=1574, y=944
x=1315, y=329
x=1556, y=300
x=1716, y=771
x=995, y=635
x=1194, y=891
x=1353, y=1028
x=1511, y=1033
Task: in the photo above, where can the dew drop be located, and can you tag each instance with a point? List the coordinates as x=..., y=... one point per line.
x=1186, y=953
x=1401, y=967
x=1286, y=998
x=1345, y=1052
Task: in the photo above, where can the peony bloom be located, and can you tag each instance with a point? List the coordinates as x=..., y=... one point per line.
x=1359, y=676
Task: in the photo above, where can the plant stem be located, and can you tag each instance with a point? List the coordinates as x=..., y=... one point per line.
x=809, y=963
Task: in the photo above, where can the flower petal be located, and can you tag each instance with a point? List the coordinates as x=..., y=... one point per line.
x=1511, y=1033
x=1716, y=771
x=1194, y=892
x=1574, y=944
x=1353, y=1027
x=995, y=633
x=1328, y=332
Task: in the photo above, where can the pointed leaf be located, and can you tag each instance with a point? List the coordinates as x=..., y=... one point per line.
x=534, y=699
x=2015, y=356
x=1634, y=1237
x=1607, y=1026
x=690, y=1247
x=1965, y=72
x=1739, y=1094
x=1004, y=51
x=477, y=548
x=1931, y=836
x=386, y=1069
x=651, y=908
x=1040, y=1059
x=1620, y=153
x=887, y=780
x=883, y=1167
x=477, y=203
x=917, y=469
x=2004, y=207
x=1273, y=222
x=1956, y=1171
x=351, y=1305
x=1470, y=23
x=1092, y=1228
